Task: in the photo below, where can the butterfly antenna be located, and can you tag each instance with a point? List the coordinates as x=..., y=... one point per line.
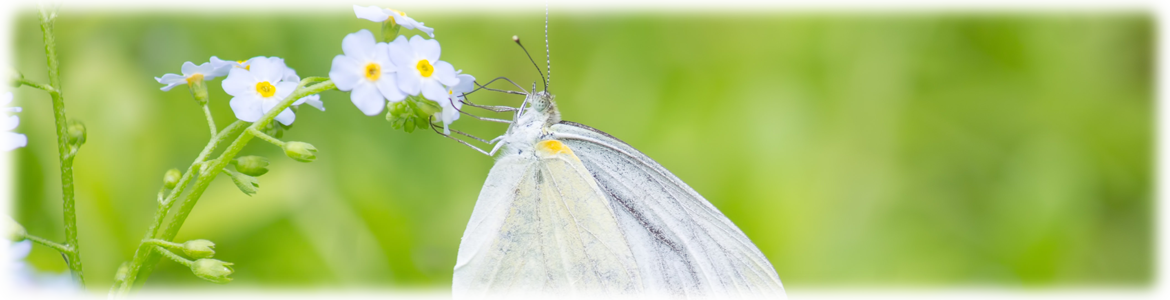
x=542, y=78
x=547, y=56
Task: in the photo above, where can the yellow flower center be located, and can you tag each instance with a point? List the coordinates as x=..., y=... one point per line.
x=425, y=68
x=373, y=71
x=193, y=78
x=265, y=89
x=244, y=64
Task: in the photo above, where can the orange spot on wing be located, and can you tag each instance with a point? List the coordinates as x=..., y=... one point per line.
x=553, y=147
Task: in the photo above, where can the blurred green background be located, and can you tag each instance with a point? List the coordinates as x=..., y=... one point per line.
x=929, y=149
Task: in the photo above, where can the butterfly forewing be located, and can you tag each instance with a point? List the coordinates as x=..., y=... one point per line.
x=542, y=226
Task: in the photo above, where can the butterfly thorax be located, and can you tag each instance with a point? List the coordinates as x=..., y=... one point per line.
x=532, y=125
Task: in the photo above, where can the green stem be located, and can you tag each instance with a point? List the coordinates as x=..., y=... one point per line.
x=140, y=263
x=162, y=243
x=63, y=148
x=173, y=256
x=266, y=137
x=39, y=86
x=210, y=120
x=65, y=249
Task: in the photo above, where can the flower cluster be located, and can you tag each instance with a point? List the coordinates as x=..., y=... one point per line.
x=18, y=280
x=377, y=73
x=10, y=140
x=256, y=85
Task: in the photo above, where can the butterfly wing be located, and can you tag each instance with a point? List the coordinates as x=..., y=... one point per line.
x=682, y=244
x=542, y=226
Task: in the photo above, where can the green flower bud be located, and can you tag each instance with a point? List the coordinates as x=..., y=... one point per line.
x=247, y=184
x=171, y=178
x=213, y=270
x=300, y=151
x=76, y=132
x=15, y=232
x=252, y=165
x=199, y=249
x=198, y=88
x=9, y=75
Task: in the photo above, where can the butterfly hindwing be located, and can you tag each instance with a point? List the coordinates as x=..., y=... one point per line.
x=682, y=244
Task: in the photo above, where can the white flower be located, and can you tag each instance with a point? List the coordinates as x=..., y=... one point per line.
x=377, y=14
x=288, y=75
x=419, y=68
x=258, y=89
x=191, y=72
x=454, y=101
x=10, y=140
x=12, y=254
x=365, y=69
x=27, y=285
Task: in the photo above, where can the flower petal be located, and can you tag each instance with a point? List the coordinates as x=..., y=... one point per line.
x=409, y=81
x=345, y=72
x=12, y=140
x=284, y=89
x=7, y=97
x=382, y=57
x=388, y=86
x=286, y=117
x=424, y=48
x=400, y=52
x=367, y=99
x=359, y=45
x=313, y=100
x=267, y=70
x=188, y=68
x=372, y=13
x=445, y=73
x=19, y=250
x=10, y=123
x=170, y=80
x=239, y=82
x=432, y=90
x=247, y=108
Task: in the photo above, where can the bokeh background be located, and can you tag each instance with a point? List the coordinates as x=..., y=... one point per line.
x=903, y=150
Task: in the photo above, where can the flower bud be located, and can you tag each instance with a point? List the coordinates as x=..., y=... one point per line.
x=76, y=132
x=15, y=232
x=252, y=165
x=247, y=184
x=171, y=178
x=199, y=249
x=198, y=88
x=9, y=75
x=213, y=270
x=300, y=151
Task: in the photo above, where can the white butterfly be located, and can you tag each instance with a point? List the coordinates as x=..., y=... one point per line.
x=571, y=210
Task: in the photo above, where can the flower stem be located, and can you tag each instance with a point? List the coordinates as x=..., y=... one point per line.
x=162, y=243
x=210, y=120
x=266, y=137
x=143, y=261
x=65, y=249
x=63, y=147
x=173, y=256
x=39, y=86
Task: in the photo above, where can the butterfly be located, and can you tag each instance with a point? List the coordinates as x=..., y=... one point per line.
x=571, y=210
